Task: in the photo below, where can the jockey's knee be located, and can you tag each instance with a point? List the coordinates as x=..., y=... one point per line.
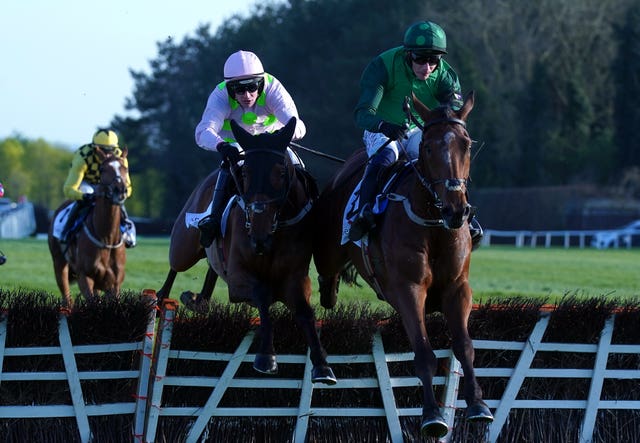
x=384, y=158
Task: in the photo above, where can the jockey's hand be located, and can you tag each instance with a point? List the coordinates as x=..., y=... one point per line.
x=393, y=131
x=229, y=152
x=88, y=198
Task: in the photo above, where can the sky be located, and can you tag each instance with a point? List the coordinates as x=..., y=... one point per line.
x=64, y=64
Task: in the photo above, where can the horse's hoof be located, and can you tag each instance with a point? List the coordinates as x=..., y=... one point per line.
x=434, y=427
x=479, y=412
x=265, y=363
x=192, y=301
x=323, y=374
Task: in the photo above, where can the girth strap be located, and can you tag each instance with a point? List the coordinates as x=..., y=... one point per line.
x=412, y=215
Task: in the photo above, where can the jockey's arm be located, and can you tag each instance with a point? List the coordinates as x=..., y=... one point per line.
x=217, y=109
x=283, y=107
x=71, y=186
x=372, y=87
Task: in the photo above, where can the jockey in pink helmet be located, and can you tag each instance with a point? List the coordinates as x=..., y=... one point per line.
x=259, y=103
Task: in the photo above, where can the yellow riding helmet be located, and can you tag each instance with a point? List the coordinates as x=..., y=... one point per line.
x=106, y=139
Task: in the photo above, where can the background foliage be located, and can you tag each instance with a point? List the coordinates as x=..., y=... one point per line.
x=556, y=84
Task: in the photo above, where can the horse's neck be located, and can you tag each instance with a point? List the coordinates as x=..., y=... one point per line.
x=106, y=220
x=422, y=201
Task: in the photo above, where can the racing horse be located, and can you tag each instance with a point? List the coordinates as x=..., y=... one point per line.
x=417, y=258
x=185, y=249
x=95, y=256
x=265, y=251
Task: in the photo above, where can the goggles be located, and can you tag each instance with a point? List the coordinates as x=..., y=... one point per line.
x=423, y=59
x=242, y=86
x=107, y=148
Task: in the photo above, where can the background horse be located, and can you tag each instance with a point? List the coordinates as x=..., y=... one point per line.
x=265, y=252
x=417, y=259
x=185, y=249
x=95, y=256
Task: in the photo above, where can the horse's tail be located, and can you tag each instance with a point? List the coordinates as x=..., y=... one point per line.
x=349, y=274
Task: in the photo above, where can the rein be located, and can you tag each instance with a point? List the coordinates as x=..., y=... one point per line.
x=259, y=206
x=115, y=198
x=450, y=184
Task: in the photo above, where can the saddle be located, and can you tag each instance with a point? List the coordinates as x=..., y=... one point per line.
x=387, y=182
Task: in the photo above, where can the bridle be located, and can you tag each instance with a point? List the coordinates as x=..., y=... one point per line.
x=450, y=184
x=115, y=193
x=278, y=200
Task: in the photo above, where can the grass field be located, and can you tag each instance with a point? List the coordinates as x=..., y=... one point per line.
x=496, y=272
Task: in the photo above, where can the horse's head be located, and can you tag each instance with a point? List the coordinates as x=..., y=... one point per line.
x=267, y=174
x=445, y=159
x=112, y=184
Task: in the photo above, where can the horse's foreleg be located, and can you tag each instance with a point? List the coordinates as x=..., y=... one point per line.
x=62, y=279
x=86, y=286
x=328, y=286
x=410, y=306
x=165, y=290
x=265, y=360
x=209, y=284
x=457, y=311
x=305, y=318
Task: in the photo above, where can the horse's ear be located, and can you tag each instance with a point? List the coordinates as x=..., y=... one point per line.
x=420, y=107
x=288, y=129
x=125, y=152
x=468, y=105
x=242, y=137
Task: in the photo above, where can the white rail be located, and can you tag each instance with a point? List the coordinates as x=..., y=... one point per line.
x=386, y=383
x=148, y=409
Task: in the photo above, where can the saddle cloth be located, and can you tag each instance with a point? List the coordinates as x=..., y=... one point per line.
x=351, y=210
x=61, y=220
x=191, y=219
x=380, y=204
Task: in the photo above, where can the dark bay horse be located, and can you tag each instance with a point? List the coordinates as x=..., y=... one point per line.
x=417, y=259
x=185, y=249
x=265, y=252
x=95, y=255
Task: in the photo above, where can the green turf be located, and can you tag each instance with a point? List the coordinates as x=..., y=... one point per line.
x=496, y=272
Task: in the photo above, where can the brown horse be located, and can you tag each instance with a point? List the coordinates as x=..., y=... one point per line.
x=185, y=249
x=265, y=252
x=95, y=256
x=417, y=259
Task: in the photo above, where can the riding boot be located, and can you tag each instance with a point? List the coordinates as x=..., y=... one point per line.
x=476, y=233
x=129, y=229
x=71, y=220
x=365, y=220
x=210, y=225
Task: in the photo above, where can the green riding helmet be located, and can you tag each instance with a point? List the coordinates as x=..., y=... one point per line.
x=425, y=37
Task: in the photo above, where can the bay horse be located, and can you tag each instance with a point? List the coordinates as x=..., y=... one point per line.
x=266, y=248
x=185, y=249
x=417, y=258
x=95, y=256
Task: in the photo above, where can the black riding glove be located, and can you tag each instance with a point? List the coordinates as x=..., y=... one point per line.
x=88, y=198
x=229, y=152
x=393, y=131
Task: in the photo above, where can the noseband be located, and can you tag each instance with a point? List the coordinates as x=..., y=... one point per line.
x=450, y=184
